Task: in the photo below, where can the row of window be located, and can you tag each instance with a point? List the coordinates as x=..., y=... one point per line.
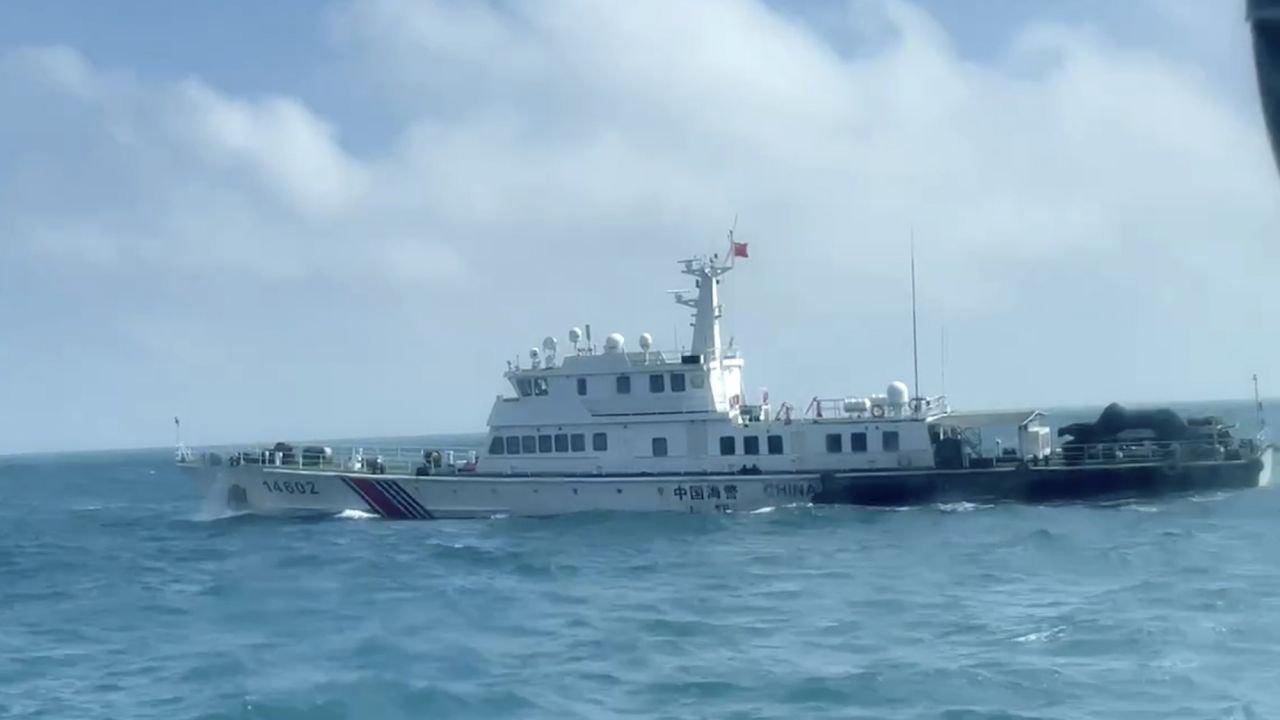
x=658, y=383
x=558, y=443
x=750, y=445
x=577, y=442
x=858, y=442
x=532, y=386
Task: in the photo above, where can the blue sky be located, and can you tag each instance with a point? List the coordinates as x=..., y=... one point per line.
x=295, y=219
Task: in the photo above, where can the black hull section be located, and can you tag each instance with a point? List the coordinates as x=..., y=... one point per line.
x=1040, y=484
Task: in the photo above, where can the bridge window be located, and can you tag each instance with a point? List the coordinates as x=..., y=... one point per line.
x=728, y=445
x=495, y=445
x=751, y=445
x=889, y=441
x=600, y=442
x=858, y=442
x=513, y=445
x=660, y=445
x=624, y=384
x=528, y=444
x=582, y=386
x=562, y=442
x=775, y=444
x=540, y=386
x=544, y=443
x=578, y=442
x=835, y=443
x=677, y=382
x=657, y=383
x=525, y=387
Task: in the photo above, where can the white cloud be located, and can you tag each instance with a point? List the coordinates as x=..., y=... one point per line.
x=280, y=141
x=1082, y=210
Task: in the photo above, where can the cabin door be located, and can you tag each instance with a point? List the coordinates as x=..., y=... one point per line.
x=697, y=436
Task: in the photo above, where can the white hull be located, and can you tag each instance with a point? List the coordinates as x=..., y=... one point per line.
x=283, y=491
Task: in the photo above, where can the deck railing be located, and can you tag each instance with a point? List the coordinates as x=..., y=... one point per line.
x=373, y=459
x=1154, y=451
x=837, y=409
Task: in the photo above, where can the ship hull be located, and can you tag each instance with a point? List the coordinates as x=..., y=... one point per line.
x=1031, y=484
x=271, y=490
x=282, y=491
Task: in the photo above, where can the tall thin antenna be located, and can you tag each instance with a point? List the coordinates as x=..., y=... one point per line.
x=1257, y=404
x=944, y=360
x=915, y=350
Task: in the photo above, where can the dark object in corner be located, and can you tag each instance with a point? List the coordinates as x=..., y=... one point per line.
x=1264, y=16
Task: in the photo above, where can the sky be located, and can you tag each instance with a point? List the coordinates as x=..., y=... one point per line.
x=317, y=220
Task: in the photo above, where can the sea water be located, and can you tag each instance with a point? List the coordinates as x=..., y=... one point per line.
x=121, y=596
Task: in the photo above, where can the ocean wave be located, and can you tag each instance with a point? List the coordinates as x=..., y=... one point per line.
x=134, y=610
x=1041, y=636
x=960, y=507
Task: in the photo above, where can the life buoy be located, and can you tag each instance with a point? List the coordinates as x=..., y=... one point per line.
x=877, y=411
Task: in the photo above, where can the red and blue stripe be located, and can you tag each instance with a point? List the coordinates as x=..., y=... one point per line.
x=388, y=498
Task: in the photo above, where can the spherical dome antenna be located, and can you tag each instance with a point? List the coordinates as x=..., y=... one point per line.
x=646, y=341
x=614, y=342
x=897, y=393
x=549, y=345
x=575, y=334
x=533, y=353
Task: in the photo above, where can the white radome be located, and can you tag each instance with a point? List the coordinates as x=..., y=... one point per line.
x=575, y=334
x=897, y=393
x=646, y=341
x=614, y=342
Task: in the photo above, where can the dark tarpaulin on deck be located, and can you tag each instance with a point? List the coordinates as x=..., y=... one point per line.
x=1264, y=15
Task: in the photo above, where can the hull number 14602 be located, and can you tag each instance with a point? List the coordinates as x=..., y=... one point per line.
x=291, y=487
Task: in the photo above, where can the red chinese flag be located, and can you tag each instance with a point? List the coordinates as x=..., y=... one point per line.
x=739, y=249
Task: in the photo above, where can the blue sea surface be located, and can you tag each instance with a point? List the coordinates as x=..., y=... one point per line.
x=121, y=596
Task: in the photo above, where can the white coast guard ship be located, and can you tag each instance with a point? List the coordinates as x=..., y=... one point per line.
x=615, y=429
x=647, y=430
